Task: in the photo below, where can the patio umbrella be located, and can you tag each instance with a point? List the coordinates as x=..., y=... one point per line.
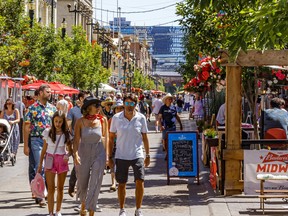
x=35, y=85
x=3, y=90
x=106, y=88
x=60, y=88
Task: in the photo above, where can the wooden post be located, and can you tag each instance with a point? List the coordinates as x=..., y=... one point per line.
x=233, y=128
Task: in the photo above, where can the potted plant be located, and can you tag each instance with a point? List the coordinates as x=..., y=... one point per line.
x=211, y=137
x=200, y=125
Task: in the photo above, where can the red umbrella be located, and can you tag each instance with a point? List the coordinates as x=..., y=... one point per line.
x=60, y=88
x=10, y=84
x=35, y=85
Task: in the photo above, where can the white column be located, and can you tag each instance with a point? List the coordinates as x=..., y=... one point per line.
x=47, y=15
x=37, y=8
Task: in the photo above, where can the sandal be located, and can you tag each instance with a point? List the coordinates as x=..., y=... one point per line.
x=83, y=212
x=113, y=188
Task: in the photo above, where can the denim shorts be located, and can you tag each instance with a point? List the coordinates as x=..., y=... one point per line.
x=122, y=169
x=167, y=130
x=59, y=165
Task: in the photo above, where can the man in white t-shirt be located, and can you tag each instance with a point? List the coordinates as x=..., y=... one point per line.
x=131, y=129
x=156, y=105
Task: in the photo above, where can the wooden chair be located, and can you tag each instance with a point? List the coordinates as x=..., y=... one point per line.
x=276, y=133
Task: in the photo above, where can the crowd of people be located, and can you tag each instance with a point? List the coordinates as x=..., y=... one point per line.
x=106, y=134
x=101, y=134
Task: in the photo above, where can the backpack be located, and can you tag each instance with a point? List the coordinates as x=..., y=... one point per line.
x=142, y=107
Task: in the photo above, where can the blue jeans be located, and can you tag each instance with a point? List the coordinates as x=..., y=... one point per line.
x=36, y=145
x=186, y=106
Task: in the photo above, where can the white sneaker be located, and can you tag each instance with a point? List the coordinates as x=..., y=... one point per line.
x=122, y=212
x=98, y=209
x=58, y=214
x=138, y=212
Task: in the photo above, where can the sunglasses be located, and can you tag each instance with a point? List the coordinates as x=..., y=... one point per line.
x=129, y=103
x=109, y=104
x=96, y=105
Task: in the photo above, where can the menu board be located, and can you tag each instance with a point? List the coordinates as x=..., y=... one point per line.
x=182, y=154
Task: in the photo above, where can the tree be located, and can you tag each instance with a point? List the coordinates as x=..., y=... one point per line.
x=256, y=24
x=43, y=53
x=80, y=62
x=235, y=25
x=12, y=24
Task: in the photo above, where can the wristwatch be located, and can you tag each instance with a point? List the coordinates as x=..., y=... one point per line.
x=147, y=156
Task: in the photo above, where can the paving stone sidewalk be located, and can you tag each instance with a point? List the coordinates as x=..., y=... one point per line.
x=183, y=197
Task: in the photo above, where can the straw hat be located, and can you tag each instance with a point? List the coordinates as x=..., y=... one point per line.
x=107, y=100
x=166, y=97
x=88, y=101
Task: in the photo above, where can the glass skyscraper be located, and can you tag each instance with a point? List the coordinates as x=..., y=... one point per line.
x=165, y=44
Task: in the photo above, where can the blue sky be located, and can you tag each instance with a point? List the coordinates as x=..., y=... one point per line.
x=157, y=17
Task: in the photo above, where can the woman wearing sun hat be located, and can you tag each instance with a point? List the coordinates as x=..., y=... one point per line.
x=168, y=116
x=90, y=153
x=107, y=107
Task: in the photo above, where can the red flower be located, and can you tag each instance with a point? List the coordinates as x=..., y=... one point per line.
x=280, y=75
x=204, y=75
x=218, y=70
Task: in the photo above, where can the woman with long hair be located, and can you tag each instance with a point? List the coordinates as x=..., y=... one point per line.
x=58, y=145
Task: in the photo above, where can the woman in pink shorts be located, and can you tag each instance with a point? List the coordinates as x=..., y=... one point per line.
x=57, y=135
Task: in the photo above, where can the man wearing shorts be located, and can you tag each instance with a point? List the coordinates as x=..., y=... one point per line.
x=130, y=127
x=168, y=117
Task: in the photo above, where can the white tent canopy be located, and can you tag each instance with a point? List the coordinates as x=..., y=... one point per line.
x=106, y=88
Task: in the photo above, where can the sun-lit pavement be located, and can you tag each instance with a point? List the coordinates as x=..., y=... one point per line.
x=183, y=197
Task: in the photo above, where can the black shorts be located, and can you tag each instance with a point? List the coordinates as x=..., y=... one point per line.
x=122, y=169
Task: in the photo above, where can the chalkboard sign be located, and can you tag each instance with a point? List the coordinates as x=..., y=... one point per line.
x=182, y=154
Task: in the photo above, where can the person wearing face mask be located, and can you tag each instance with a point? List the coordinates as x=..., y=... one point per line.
x=130, y=127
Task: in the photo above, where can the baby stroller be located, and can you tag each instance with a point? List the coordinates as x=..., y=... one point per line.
x=5, y=143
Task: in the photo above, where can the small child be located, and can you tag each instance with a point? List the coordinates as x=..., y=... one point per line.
x=58, y=133
x=3, y=136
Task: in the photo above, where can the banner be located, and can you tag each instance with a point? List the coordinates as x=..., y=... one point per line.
x=264, y=162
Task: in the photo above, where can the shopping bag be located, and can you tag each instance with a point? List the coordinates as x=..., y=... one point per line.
x=38, y=186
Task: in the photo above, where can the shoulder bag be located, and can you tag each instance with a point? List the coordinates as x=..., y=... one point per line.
x=50, y=158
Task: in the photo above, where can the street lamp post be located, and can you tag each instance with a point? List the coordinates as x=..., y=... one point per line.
x=130, y=75
x=63, y=27
x=75, y=11
x=31, y=7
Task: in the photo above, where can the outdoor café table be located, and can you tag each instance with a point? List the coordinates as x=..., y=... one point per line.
x=248, y=128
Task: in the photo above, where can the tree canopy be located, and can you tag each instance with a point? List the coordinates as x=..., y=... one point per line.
x=211, y=25
x=49, y=56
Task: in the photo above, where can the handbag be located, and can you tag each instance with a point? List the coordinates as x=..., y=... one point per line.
x=50, y=158
x=38, y=186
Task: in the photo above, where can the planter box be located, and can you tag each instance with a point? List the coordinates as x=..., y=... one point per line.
x=212, y=142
